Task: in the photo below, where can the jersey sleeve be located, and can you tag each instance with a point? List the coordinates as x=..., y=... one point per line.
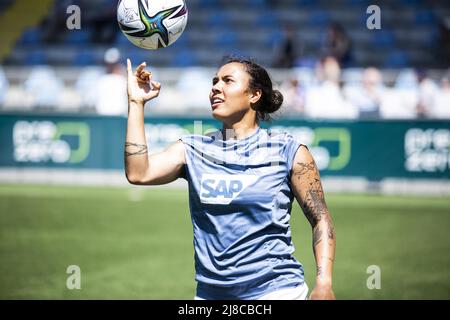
x=291, y=148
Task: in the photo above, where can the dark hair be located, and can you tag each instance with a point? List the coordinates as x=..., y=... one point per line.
x=271, y=99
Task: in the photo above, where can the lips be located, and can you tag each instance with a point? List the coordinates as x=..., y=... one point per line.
x=215, y=101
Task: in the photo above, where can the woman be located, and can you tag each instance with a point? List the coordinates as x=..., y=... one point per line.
x=242, y=181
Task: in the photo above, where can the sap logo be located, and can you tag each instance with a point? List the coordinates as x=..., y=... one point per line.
x=222, y=189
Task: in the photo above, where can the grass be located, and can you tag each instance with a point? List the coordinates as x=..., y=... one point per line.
x=136, y=243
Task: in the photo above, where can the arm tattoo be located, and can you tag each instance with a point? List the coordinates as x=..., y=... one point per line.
x=330, y=230
x=319, y=271
x=328, y=258
x=304, y=168
x=317, y=236
x=132, y=149
x=314, y=205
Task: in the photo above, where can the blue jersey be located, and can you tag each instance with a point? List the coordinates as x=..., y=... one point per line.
x=240, y=201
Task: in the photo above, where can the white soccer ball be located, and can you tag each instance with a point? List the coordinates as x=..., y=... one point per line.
x=152, y=24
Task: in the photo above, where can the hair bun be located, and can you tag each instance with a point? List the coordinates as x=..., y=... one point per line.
x=277, y=101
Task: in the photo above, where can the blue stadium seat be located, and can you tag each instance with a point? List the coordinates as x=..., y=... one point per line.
x=216, y=19
x=257, y=3
x=424, y=17
x=85, y=58
x=36, y=57
x=184, y=58
x=383, y=38
x=410, y=2
x=319, y=18
x=122, y=41
x=396, y=59
x=206, y=3
x=364, y=3
x=77, y=37
x=267, y=19
x=274, y=38
x=31, y=36
x=302, y=3
x=226, y=39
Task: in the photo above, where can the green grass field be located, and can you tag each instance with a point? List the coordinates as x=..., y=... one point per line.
x=136, y=243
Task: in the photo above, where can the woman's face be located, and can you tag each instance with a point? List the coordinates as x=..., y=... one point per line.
x=230, y=95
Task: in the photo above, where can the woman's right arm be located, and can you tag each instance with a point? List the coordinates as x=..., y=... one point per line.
x=160, y=168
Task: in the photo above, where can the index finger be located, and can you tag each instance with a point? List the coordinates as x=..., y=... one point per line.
x=129, y=69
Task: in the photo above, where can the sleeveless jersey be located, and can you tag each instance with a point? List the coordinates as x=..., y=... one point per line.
x=240, y=202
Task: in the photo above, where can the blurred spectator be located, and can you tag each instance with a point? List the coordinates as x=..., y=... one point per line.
x=337, y=44
x=294, y=97
x=367, y=96
x=285, y=52
x=44, y=86
x=326, y=100
x=427, y=92
x=112, y=87
x=441, y=108
x=400, y=102
x=4, y=85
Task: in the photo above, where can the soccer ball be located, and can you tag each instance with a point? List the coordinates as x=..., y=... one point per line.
x=152, y=24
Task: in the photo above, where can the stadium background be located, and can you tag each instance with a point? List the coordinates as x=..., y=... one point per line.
x=64, y=199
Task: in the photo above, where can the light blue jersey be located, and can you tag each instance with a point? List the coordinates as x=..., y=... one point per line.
x=240, y=202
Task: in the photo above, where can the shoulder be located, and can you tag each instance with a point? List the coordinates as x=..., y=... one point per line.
x=281, y=136
x=284, y=140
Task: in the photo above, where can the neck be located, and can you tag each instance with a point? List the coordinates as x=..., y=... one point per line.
x=239, y=130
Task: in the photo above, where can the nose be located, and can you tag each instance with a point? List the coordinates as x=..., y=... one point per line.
x=216, y=88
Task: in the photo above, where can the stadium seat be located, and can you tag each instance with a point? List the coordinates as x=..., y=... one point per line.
x=216, y=19
x=122, y=41
x=44, y=85
x=78, y=37
x=86, y=82
x=184, y=58
x=305, y=76
x=31, y=36
x=364, y=3
x=4, y=85
x=396, y=59
x=225, y=39
x=383, y=39
x=302, y=3
x=206, y=3
x=424, y=17
x=352, y=76
x=36, y=57
x=319, y=18
x=268, y=20
x=406, y=79
x=85, y=58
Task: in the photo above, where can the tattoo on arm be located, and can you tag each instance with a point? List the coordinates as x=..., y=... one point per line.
x=330, y=230
x=313, y=200
x=319, y=271
x=328, y=258
x=132, y=149
x=317, y=236
x=314, y=205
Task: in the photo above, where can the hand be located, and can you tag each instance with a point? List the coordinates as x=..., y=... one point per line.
x=140, y=86
x=322, y=292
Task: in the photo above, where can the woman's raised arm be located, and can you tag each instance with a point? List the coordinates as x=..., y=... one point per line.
x=140, y=168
